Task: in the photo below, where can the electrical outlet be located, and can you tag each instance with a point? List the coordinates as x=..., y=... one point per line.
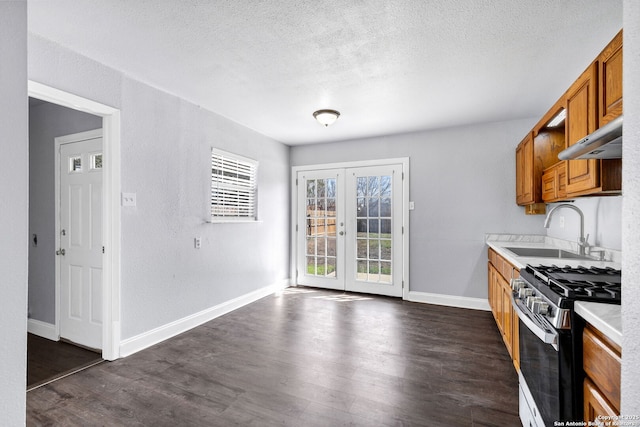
x=197, y=242
x=561, y=222
x=128, y=199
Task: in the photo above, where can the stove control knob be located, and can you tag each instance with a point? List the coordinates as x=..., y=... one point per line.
x=516, y=284
x=543, y=308
x=532, y=302
x=523, y=293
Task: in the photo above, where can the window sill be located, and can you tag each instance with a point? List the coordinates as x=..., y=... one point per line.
x=233, y=221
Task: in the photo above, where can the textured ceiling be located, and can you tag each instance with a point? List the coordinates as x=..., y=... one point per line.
x=387, y=66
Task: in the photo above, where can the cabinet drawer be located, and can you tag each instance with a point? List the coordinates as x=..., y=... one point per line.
x=602, y=364
x=595, y=404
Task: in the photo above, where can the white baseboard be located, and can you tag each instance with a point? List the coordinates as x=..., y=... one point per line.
x=449, y=300
x=42, y=329
x=162, y=333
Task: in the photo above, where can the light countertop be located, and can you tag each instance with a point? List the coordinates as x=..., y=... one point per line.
x=606, y=318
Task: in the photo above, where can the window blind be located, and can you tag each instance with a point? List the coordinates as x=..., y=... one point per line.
x=233, y=187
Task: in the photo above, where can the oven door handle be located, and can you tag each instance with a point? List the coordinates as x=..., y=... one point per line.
x=546, y=334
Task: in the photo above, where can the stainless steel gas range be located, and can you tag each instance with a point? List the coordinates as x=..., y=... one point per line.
x=551, y=373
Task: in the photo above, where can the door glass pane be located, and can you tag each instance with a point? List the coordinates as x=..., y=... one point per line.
x=311, y=188
x=361, y=207
x=331, y=247
x=374, y=205
x=96, y=161
x=75, y=164
x=331, y=207
x=385, y=186
x=321, y=227
x=374, y=246
x=373, y=235
x=385, y=272
x=331, y=188
x=362, y=248
x=361, y=186
x=321, y=246
x=311, y=246
x=331, y=267
x=330, y=224
x=374, y=186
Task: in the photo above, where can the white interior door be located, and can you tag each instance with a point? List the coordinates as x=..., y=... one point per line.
x=350, y=229
x=80, y=237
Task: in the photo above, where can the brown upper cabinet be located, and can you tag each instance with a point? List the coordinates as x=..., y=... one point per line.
x=593, y=100
x=610, y=86
x=554, y=183
x=525, y=176
x=538, y=151
x=582, y=119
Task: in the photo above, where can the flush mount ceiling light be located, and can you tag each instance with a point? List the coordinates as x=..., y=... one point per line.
x=326, y=117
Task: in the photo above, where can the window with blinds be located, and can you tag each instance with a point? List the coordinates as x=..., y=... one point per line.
x=234, y=187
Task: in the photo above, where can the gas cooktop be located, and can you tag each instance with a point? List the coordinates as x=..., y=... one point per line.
x=577, y=283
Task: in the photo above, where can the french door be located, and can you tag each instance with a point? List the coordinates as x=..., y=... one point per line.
x=350, y=229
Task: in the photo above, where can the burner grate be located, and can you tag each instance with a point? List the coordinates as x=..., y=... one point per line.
x=582, y=283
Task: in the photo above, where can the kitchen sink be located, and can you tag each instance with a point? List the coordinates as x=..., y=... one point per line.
x=547, y=253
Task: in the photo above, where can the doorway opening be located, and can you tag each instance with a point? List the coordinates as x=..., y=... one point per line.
x=108, y=277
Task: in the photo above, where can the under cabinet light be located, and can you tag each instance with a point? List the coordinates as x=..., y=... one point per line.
x=559, y=118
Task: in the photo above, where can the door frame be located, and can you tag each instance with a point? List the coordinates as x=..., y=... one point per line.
x=404, y=161
x=58, y=143
x=111, y=225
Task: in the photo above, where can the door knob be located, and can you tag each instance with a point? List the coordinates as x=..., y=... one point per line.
x=341, y=233
x=60, y=252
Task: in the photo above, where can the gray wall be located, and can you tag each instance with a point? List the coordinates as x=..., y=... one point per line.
x=462, y=183
x=631, y=212
x=13, y=210
x=46, y=122
x=165, y=154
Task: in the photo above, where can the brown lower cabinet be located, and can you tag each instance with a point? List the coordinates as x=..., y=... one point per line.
x=500, y=273
x=601, y=363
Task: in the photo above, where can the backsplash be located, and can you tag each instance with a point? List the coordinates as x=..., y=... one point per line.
x=602, y=222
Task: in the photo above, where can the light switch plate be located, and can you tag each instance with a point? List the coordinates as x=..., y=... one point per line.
x=412, y=205
x=128, y=199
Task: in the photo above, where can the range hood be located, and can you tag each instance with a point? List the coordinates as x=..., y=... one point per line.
x=604, y=143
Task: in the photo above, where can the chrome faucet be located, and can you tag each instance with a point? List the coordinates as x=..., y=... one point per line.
x=582, y=241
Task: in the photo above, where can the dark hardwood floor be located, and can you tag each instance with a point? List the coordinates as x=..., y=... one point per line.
x=48, y=359
x=305, y=358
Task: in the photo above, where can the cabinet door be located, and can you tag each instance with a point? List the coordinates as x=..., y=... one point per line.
x=493, y=301
x=524, y=172
x=595, y=404
x=582, y=175
x=554, y=183
x=507, y=315
x=561, y=180
x=549, y=190
x=610, y=77
x=515, y=339
x=497, y=294
x=490, y=287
